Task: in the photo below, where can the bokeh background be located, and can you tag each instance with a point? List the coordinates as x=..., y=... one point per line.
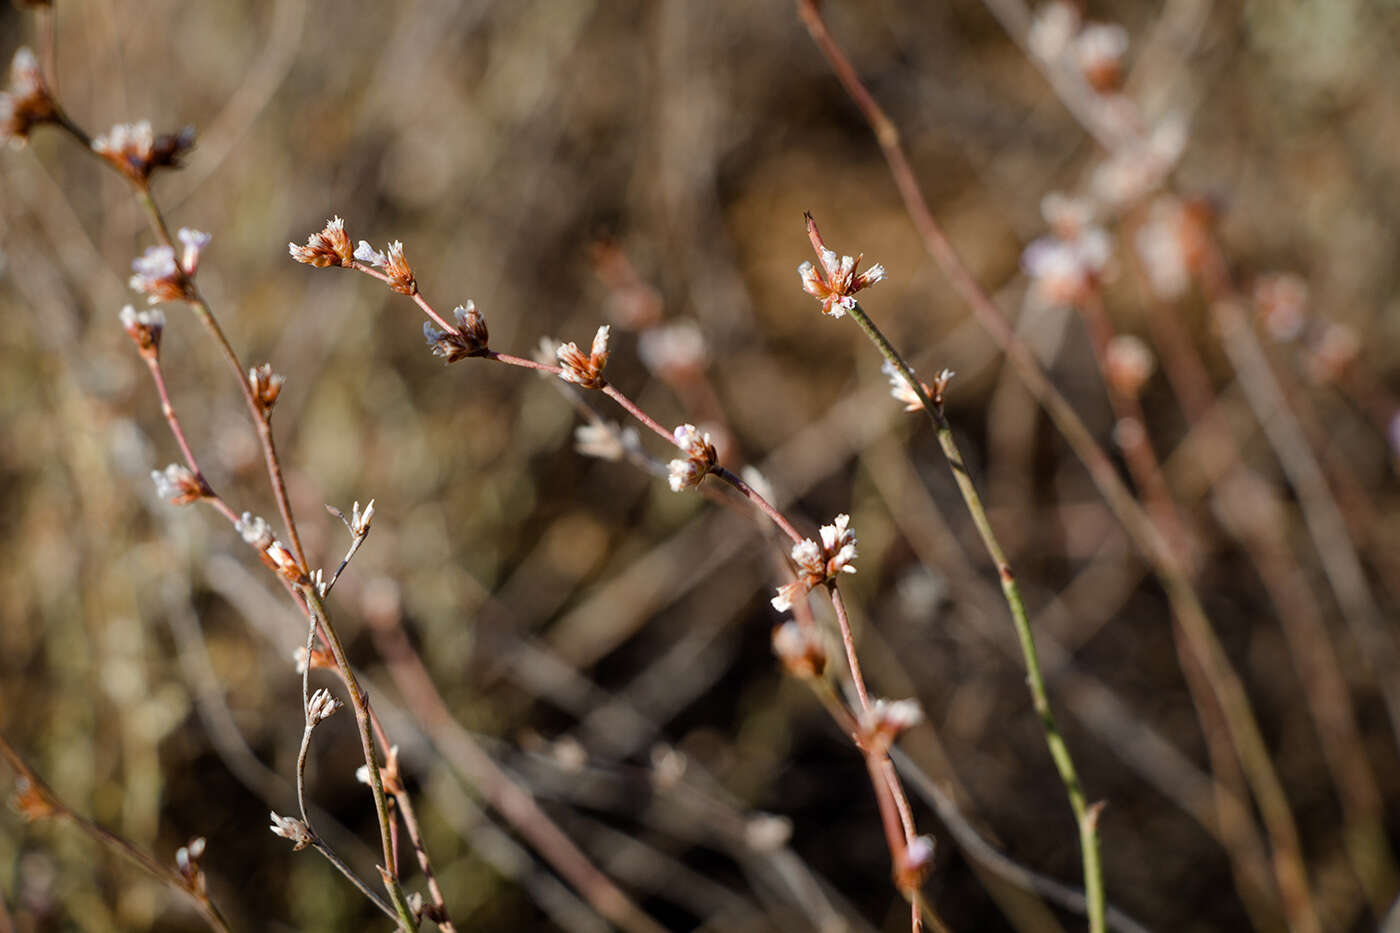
x=606, y=639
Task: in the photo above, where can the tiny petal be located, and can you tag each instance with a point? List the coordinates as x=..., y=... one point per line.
x=368, y=254
x=291, y=828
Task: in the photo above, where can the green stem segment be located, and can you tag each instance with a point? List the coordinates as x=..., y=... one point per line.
x=1086, y=816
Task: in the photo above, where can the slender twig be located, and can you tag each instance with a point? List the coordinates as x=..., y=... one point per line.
x=1224, y=681
x=1086, y=817
x=38, y=800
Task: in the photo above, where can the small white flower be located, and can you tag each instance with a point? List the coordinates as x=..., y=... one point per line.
x=291, y=828
x=177, y=484
x=322, y=706
x=368, y=254
x=359, y=521
x=255, y=531
x=194, y=242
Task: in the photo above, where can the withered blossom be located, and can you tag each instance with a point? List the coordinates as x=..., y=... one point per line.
x=156, y=274
x=388, y=772
x=700, y=457
x=800, y=648
x=885, y=720
x=136, y=151
x=255, y=531
x=469, y=338
x=1128, y=364
x=816, y=564
x=144, y=327
x=586, y=371
x=837, y=287
x=178, y=484
x=328, y=247
x=266, y=386
x=393, y=265
x=294, y=829
x=914, y=863
x=321, y=706
x=26, y=103
x=187, y=863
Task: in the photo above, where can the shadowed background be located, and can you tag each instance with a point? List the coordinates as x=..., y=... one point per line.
x=606, y=638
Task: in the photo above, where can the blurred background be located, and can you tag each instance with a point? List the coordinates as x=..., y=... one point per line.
x=606, y=640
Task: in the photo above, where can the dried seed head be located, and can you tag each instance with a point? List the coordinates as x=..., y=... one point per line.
x=1281, y=301
x=469, y=338
x=700, y=457
x=280, y=559
x=26, y=103
x=178, y=484
x=320, y=659
x=187, y=863
x=675, y=352
x=388, y=772
x=1064, y=270
x=321, y=706
x=360, y=520
x=1128, y=364
x=157, y=276
x=291, y=828
x=815, y=564
x=1052, y=30
x=885, y=720
x=586, y=371
x=136, y=151
x=394, y=265
x=609, y=441
x=255, y=531
x=914, y=863
x=1098, y=51
x=32, y=800
x=800, y=648
x=837, y=287
x=266, y=386
x=329, y=247
x=902, y=391
x=144, y=327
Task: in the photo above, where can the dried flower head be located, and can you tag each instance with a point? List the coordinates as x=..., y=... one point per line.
x=836, y=288
x=136, y=151
x=266, y=386
x=388, y=772
x=914, y=863
x=321, y=706
x=1064, y=270
x=1098, y=51
x=468, y=338
x=1052, y=30
x=26, y=103
x=606, y=441
x=329, y=247
x=800, y=648
x=187, y=863
x=32, y=800
x=291, y=828
x=144, y=327
x=397, y=273
x=903, y=392
x=178, y=484
x=586, y=371
x=816, y=564
x=674, y=352
x=1137, y=169
x=156, y=274
x=1331, y=353
x=320, y=659
x=1281, y=302
x=1128, y=364
x=700, y=457
x=885, y=720
x=255, y=531
x=280, y=559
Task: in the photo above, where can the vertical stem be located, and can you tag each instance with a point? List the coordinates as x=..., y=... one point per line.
x=1086, y=817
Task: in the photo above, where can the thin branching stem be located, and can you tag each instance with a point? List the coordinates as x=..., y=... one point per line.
x=1086, y=817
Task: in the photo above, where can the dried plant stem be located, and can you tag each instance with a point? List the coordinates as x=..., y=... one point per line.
x=511, y=801
x=56, y=807
x=359, y=702
x=1086, y=816
x=415, y=836
x=1224, y=681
